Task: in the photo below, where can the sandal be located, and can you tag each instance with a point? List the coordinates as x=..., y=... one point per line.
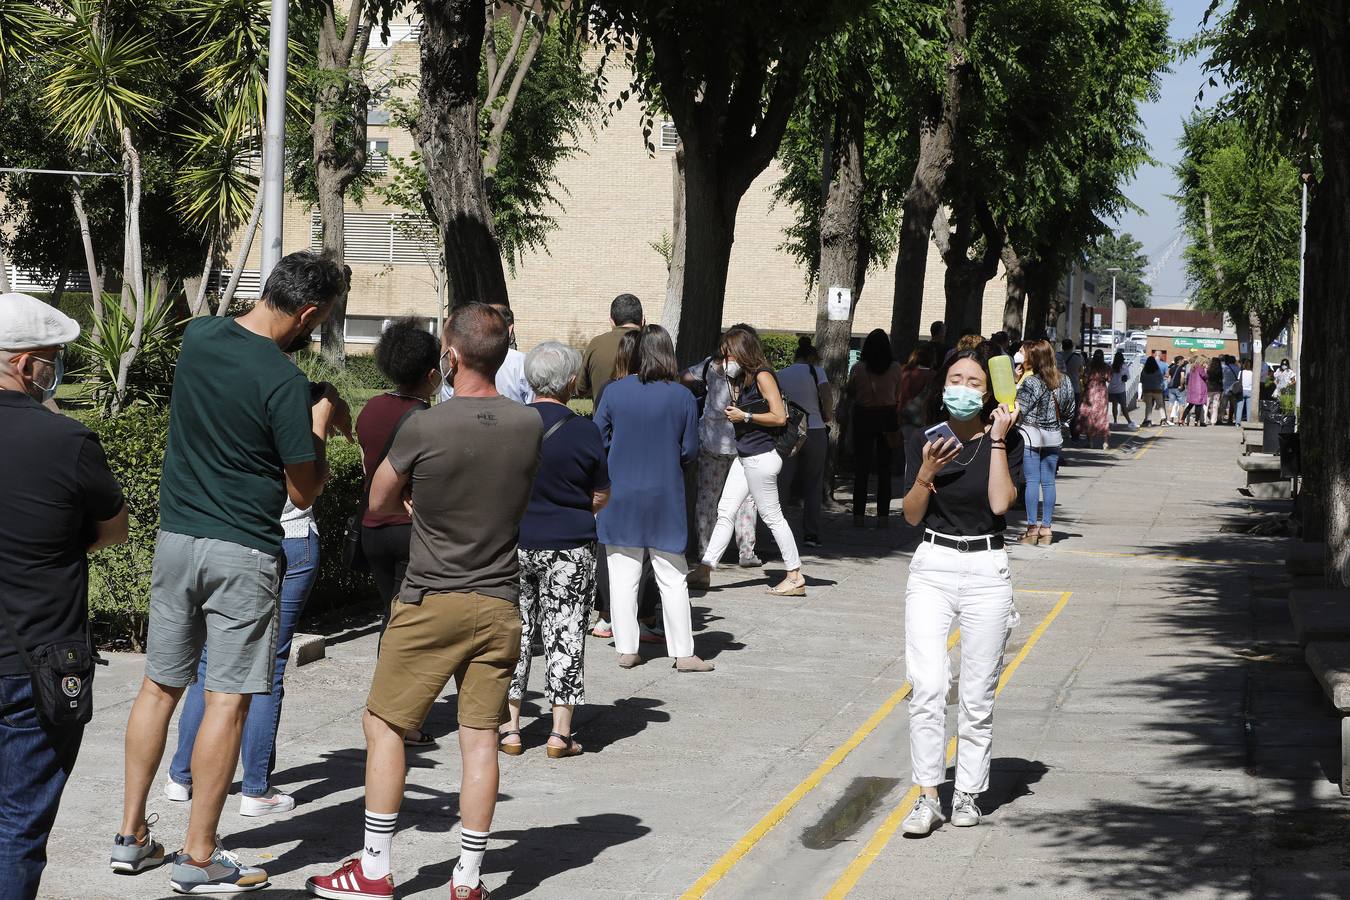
x=419, y=738
x=1045, y=538
x=788, y=589
x=1031, y=536
x=572, y=748
x=510, y=749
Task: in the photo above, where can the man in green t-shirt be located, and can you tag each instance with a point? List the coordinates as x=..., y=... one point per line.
x=246, y=431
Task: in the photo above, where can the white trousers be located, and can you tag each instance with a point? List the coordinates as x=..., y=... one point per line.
x=625, y=574
x=754, y=476
x=975, y=589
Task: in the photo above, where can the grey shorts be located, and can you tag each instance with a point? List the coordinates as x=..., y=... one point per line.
x=218, y=595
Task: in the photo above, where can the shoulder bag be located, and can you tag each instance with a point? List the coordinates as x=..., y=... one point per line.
x=353, y=557
x=62, y=674
x=787, y=439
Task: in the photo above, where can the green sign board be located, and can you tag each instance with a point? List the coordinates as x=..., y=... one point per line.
x=1198, y=343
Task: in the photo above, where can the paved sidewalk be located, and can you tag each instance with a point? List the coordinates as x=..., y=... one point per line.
x=1160, y=738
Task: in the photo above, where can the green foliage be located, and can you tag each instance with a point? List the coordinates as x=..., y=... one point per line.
x=362, y=368
x=150, y=378
x=337, y=585
x=779, y=348
x=1124, y=252
x=1240, y=211
x=345, y=377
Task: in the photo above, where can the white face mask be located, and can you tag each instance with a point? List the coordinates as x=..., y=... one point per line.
x=733, y=368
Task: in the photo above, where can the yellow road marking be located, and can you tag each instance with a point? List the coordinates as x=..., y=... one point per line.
x=863, y=861
x=752, y=837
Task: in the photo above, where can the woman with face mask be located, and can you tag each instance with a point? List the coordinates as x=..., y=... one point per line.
x=958, y=491
x=757, y=410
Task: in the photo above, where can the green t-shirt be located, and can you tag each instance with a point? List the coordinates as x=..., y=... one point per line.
x=239, y=414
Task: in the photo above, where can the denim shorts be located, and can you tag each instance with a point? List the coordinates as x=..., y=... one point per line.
x=217, y=594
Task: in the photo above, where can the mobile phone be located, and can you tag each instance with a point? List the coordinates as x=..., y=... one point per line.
x=939, y=431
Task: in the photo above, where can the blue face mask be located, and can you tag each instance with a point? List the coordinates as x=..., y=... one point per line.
x=58, y=370
x=962, y=403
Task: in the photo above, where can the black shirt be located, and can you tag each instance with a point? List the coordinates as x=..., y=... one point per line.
x=56, y=484
x=572, y=467
x=753, y=439
x=961, y=505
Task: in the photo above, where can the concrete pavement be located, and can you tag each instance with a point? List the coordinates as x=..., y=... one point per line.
x=1159, y=736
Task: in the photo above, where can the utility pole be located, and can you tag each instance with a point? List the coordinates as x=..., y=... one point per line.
x=1298, y=334
x=1114, y=270
x=274, y=141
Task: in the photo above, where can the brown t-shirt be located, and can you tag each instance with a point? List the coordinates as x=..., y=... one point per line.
x=597, y=364
x=471, y=461
x=875, y=390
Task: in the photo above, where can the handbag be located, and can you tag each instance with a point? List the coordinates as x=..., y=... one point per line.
x=788, y=439
x=63, y=677
x=353, y=557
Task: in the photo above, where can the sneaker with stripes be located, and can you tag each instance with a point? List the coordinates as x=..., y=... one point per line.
x=349, y=882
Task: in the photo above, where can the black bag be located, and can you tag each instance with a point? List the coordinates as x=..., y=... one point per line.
x=787, y=439
x=353, y=557
x=63, y=677
x=699, y=388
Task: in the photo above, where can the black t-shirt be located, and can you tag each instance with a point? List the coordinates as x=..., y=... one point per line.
x=753, y=439
x=961, y=505
x=56, y=485
x=572, y=468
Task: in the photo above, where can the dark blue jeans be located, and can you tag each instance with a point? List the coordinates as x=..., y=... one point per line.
x=259, y=752
x=35, y=762
x=1038, y=468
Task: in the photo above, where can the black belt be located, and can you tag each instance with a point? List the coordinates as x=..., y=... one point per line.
x=965, y=545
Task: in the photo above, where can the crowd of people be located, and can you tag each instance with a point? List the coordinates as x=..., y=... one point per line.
x=495, y=517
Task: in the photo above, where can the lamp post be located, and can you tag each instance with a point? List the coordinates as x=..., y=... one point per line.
x=1114, y=270
x=274, y=141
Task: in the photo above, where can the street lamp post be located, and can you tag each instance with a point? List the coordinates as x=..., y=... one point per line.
x=1113, y=270
x=274, y=141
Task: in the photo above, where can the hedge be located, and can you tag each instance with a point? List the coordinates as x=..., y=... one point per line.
x=119, y=577
x=779, y=348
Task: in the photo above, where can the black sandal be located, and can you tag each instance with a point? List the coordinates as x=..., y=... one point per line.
x=572, y=748
x=510, y=749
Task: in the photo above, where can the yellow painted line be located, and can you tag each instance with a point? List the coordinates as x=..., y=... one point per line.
x=863, y=861
x=1190, y=559
x=752, y=837
x=1149, y=446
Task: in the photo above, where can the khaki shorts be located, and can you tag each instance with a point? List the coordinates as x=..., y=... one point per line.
x=473, y=637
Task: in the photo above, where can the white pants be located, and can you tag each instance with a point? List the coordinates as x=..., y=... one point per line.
x=755, y=476
x=625, y=574
x=975, y=589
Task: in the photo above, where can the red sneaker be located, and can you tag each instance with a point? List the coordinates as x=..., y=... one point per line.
x=350, y=883
x=460, y=892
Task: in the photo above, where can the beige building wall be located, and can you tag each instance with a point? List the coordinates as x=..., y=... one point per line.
x=616, y=206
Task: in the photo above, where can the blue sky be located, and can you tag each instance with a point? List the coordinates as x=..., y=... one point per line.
x=1158, y=221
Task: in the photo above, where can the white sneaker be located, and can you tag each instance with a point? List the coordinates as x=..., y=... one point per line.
x=925, y=816
x=178, y=793
x=964, y=811
x=274, y=801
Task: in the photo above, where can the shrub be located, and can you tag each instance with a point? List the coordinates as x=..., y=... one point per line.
x=119, y=577
x=780, y=348
x=365, y=373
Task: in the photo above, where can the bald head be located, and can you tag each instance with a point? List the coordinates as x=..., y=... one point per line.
x=479, y=336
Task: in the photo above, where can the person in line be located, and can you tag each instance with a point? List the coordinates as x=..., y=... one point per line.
x=937, y=336
x=1232, y=389
x=1246, y=381
x=510, y=381
x=716, y=454
x=1045, y=403
x=597, y=363
x=1284, y=377
x=1092, y=422
x=466, y=467
x=1197, y=389
x=258, y=797
x=61, y=503
x=959, y=491
x=874, y=391
x=757, y=408
x=649, y=423
x=557, y=548
x=1176, y=391
x=1153, y=380
x=1214, y=391
x=409, y=356
x=805, y=382
x=1073, y=372
x=245, y=433
x=1115, y=391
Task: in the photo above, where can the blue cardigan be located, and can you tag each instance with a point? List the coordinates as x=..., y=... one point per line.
x=651, y=431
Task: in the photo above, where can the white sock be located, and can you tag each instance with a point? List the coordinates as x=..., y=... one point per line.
x=379, y=842
x=472, y=846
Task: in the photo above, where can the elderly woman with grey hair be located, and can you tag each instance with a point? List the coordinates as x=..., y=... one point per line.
x=557, y=546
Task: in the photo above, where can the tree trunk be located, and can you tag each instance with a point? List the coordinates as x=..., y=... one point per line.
x=965, y=278
x=338, y=134
x=448, y=138
x=199, y=304
x=937, y=130
x=132, y=163
x=245, y=245
x=59, y=289
x=87, y=240
x=1040, y=287
x=1325, y=379
x=843, y=260
x=670, y=313
x=1017, y=289
x=4, y=272
x=710, y=224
